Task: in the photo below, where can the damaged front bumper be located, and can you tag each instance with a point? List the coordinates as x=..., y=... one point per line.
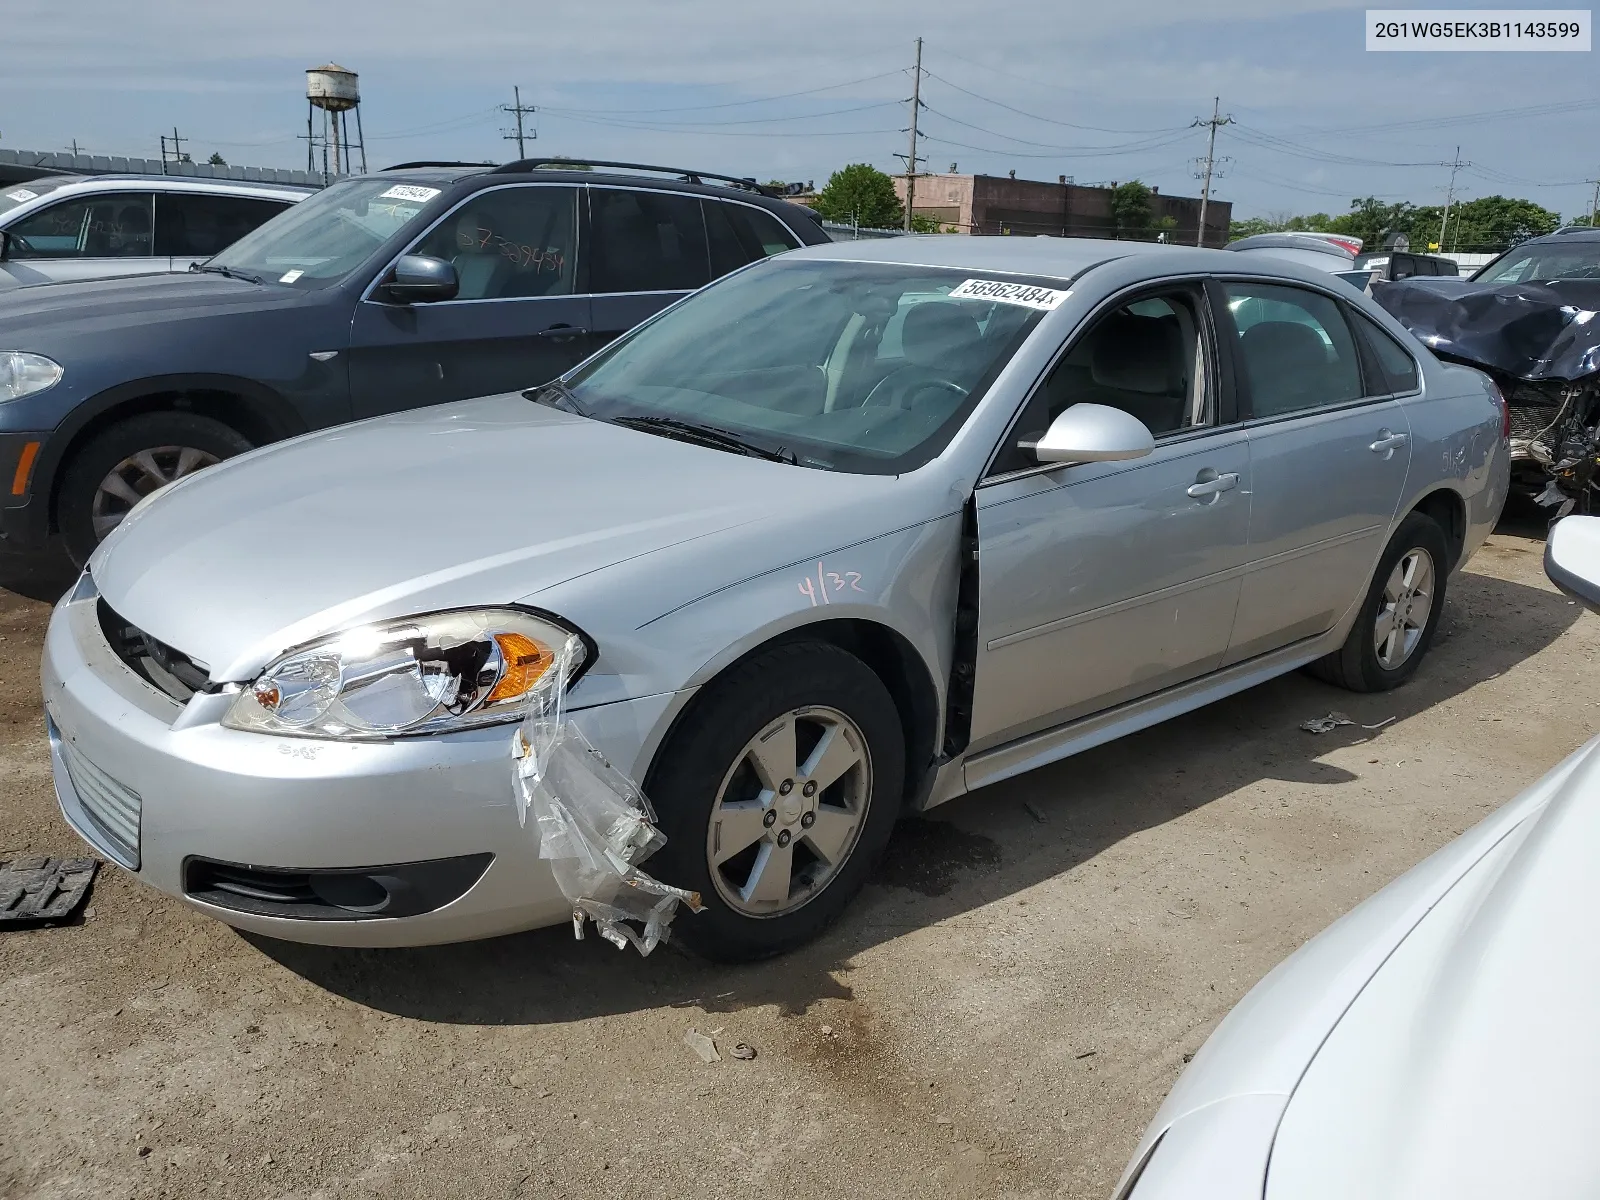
x=237, y=824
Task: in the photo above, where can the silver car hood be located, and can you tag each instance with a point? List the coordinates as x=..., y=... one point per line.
x=483, y=502
x=1470, y=1064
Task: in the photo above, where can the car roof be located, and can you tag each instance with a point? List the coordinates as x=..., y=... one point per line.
x=1055, y=257
x=169, y=183
x=663, y=179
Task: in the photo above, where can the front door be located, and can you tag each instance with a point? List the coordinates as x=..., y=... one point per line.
x=517, y=321
x=1329, y=453
x=1103, y=582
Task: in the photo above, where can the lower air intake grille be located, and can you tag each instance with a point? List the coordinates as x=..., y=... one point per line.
x=1530, y=422
x=113, y=809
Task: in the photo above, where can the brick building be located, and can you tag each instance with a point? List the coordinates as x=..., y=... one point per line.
x=990, y=204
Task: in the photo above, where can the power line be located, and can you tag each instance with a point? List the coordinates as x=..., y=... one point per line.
x=1084, y=152
x=1036, y=116
x=1045, y=145
x=729, y=103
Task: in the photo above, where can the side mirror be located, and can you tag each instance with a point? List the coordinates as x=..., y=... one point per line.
x=418, y=279
x=1092, y=433
x=1572, y=559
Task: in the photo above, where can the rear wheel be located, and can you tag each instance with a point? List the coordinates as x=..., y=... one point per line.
x=777, y=794
x=127, y=462
x=1396, y=624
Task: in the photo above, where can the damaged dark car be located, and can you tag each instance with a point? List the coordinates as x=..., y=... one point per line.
x=1530, y=320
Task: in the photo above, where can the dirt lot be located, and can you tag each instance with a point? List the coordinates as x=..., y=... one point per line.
x=999, y=1015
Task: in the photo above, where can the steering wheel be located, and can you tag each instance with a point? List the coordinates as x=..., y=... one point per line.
x=899, y=387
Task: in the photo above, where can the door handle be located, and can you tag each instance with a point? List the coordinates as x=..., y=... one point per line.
x=1387, y=442
x=1211, y=487
x=559, y=333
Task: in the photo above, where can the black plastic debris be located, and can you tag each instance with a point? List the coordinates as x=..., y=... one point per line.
x=36, y=890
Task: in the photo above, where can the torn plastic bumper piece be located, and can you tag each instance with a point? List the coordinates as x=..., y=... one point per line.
x=37, y=889
x=594, y=824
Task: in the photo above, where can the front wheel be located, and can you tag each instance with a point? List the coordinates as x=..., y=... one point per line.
x=127, y=462
x=777, y=794
x=1397, y=621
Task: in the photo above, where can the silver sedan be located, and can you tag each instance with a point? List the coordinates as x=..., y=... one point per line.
x=847, y=534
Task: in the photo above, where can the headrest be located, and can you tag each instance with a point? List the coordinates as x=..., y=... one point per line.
x=938, y=333
x=1277, y=347
x=1138, y=354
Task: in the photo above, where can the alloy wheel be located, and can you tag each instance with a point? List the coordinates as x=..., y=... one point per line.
x=136, y=476
x=1405, y=609
x=789, y=811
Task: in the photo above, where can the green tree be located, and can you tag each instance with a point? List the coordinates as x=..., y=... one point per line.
x=216, y=160
x=921, y=222
x=860, y=194
x=1494, y=223
x=1130, y=210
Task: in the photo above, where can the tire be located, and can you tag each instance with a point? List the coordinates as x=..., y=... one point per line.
x=710, y=795
x=1358, y=665
x=174, y=440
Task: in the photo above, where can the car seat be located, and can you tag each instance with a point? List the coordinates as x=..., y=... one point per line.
x=1282, y=361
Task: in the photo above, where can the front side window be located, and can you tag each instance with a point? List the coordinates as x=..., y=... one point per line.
x=1294, y=347
x=322, y=239
x=1146, y=358
x=195, y=225
x=114, y=226
x=785, y=355
x=647, y=241
x=510, y=242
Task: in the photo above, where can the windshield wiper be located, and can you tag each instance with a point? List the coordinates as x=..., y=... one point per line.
x=231, y=273
x=707, y=435
x=557, y=395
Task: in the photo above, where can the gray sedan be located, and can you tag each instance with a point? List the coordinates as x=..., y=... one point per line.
x=845, y=535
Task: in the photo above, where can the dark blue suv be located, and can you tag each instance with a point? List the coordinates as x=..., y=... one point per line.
x=413, y=286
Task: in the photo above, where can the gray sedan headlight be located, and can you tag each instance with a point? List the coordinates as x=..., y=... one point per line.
x=430, y=674
x=23, y=374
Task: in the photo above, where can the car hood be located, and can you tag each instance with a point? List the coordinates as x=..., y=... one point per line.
x=91, y=306
x=1531, y=331
x=483, y=502
x=1470, y=1064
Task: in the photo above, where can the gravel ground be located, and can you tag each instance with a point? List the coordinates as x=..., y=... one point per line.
x=999, y=1015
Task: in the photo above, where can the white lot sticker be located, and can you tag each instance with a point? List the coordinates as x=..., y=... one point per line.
x=406, y=191
x=22, y=194
x=1024, y=294
x=290, y=276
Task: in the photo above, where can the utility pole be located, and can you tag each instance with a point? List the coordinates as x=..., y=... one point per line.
x=177, y=149
x=1210, y=161
x=74, y=147
x=517, y=109
x=1594, y=209
x=911, y=157
x=1450, y=194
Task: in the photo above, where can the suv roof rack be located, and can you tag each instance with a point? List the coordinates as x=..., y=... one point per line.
x=546, y=164
x=1578, y=229
x=429, y=163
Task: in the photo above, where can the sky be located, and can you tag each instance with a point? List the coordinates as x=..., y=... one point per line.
x=1097, y=92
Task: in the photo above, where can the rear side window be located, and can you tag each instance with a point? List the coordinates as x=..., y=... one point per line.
x=1295, y=348
x=198, y=226
x=646, y=242
x=509, y=243
x=740, y=234
x=1447, y=266
x=114, y=226
x=1399, y=368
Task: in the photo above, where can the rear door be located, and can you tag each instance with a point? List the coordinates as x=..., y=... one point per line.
x=192, y=226
x=85, y=237
x=1330, y=447
x=519, y=319
x=1103, y=582
x=646, y=249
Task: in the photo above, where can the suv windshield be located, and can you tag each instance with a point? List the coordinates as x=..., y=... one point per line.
x=865, y=367
x=21, y=193
x=1545, y=261
x=325, y=237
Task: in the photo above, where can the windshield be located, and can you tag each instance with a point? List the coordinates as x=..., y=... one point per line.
x=21, y=193
x=864, y=367
x=1533, y=264
x=325, y=237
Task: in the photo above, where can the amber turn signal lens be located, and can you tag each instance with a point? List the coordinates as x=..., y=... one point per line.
x=267, y=696
x=526, y=662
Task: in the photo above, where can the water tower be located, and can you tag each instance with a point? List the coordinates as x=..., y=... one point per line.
x=337, y=93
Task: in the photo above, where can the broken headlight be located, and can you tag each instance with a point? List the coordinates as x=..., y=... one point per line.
x=430, y=674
